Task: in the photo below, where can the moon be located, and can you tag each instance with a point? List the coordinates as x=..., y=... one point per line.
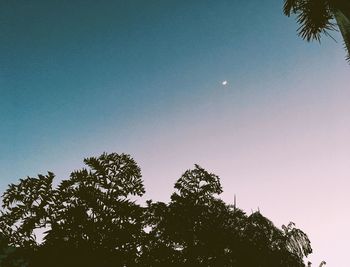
x=224, y=83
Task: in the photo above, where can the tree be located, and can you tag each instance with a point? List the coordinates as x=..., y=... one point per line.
x=316, y=17
x=87, y=217
x=27, y=207
x=94, y=213
x=191, y=230
x=198, y=229
x=90, y=220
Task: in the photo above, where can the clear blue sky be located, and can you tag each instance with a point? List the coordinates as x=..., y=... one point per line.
x=144, y=77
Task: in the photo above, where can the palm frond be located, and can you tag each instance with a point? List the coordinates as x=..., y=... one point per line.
x=291, y=6
x=344, y=26
x=314, y=18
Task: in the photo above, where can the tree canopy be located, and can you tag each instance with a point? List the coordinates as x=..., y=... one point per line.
x=92, y=219
x=316, y=17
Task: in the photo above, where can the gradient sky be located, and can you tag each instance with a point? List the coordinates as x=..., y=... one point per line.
x=78, y=78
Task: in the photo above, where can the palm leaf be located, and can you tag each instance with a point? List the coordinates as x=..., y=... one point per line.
x=343, y=22
x=291, y=6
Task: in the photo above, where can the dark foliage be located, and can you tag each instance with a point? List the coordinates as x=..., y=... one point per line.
x=316, y=17
x=91, y=220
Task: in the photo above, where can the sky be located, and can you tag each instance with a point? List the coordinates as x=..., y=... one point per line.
x=78, y=78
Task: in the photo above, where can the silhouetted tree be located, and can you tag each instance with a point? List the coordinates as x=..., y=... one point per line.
x=315, y=17
x=90, y=220
x=182, y=231
x=89, y=217
x=198, y=229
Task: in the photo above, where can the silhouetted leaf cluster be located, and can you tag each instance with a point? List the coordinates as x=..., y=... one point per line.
x=90, y=220
x=316, y=17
